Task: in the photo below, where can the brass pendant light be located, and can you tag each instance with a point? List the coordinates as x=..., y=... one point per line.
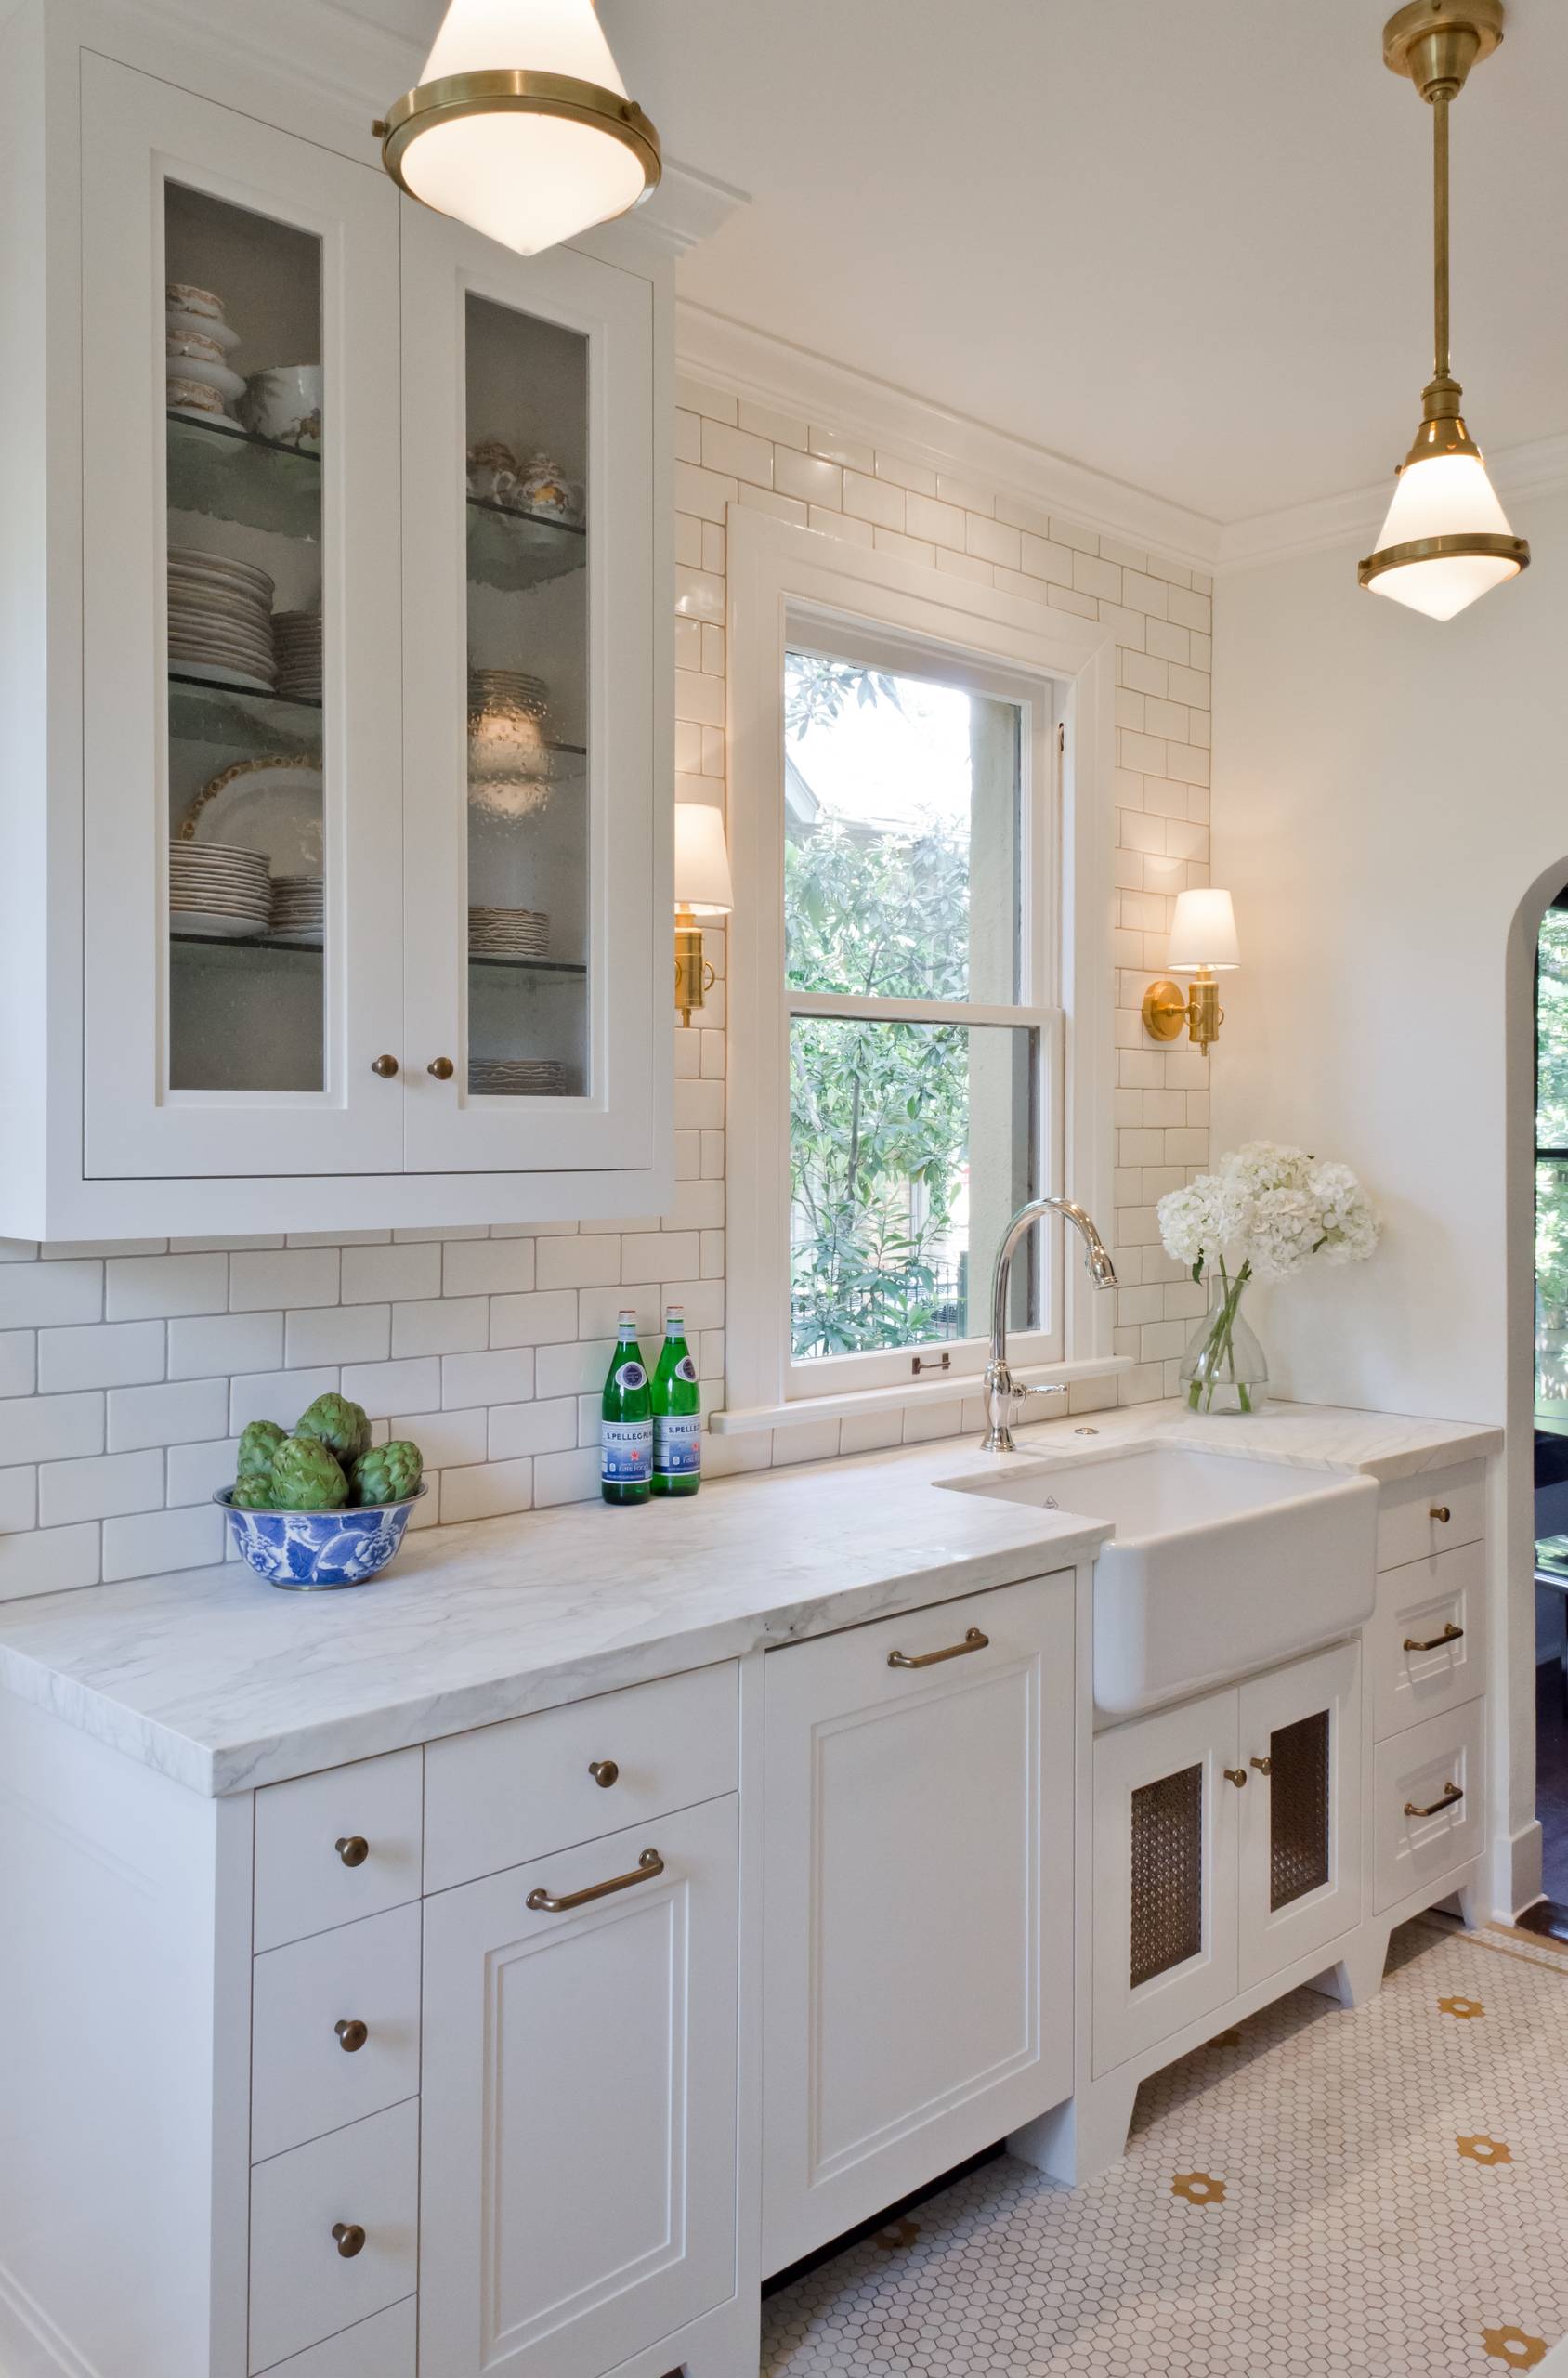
x=1447, y=539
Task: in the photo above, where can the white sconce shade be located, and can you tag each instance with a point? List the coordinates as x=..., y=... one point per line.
x=1440, y=498
x=1203, y=934
x=521, y=125
x=703, y=883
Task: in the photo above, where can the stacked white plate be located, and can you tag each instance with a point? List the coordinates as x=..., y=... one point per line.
x=296, y=638
x=508, y=933
x=218, y=892
x=516, y=1077
x=297, y=910
x=220, y=620
x=507, y=690
x=198, y=345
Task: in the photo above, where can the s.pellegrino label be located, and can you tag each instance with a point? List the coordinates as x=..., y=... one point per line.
x=626, y=1427
x=677, y=1414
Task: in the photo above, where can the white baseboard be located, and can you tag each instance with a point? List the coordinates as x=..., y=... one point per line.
x=1516, y=1871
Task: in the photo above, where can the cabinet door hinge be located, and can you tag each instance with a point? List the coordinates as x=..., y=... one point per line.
x=1060, y=735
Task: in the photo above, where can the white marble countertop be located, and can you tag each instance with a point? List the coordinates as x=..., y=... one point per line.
x=223, y=1684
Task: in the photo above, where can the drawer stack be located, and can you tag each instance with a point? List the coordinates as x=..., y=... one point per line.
x=1426, y=1674
x=334, y=2071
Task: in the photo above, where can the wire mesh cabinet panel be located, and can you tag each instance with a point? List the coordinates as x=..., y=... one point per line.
x=1300, y=1882
x=1165, y=1875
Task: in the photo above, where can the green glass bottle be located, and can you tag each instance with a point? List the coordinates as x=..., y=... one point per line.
x=677, y=1414
x=626, y=1441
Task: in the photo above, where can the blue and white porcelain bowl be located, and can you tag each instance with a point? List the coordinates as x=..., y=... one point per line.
x=310, y=1551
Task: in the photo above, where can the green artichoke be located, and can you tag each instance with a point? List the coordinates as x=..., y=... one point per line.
x=259, y=1441
x=387, y=1473
x=337, y=1423
x=252, y=1495
x=306, y=1477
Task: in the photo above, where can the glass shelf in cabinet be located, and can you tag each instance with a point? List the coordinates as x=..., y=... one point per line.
x=219, y=468
x=565, y=966
x=233, y=717
x=510, y=549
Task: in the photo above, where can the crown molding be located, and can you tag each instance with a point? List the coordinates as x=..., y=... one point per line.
x=772, y=371
x=1518, y=473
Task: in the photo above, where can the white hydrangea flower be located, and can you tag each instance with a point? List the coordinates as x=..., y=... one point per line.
x=1268, y=1208
x=1351, y=1226
x=1189, y=1223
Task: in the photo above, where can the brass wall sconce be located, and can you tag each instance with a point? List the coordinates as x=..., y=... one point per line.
x=1203, y=944
x=702, y=889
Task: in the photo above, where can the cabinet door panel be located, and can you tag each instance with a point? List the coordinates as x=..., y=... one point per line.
x=1300, y=1820
x=222, y=752
x=1165, y=1875
x=528, y=525
x=918, y=1896
x=579, y=2105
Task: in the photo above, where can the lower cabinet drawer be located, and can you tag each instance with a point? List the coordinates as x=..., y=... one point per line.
x=337, y=1845
x=382, y=2347
x=1427, y=1641
x=334, y=2030
x=312, y=2271
x=1429, y=1793
x=1418, y=1516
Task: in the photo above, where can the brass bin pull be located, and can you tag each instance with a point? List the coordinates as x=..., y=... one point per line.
x=1452, y=1795
x=351, y=2239
x=1451, y=1634
x=649, y=1864
x=351, y=2034
x=1441, y=1513
x=605, y=1772
x=352, y=1848
x=1263, y=1766
x=972, y=1641
x=1236, y=1775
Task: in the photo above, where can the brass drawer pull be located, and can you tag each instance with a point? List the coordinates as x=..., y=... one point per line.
x=442, y=1067
x=1263, y=1766
x=385, y=1067
x=352, y=1848
x=649, y=1864
x=972, y=1641
x=1236, y=1775
x=351, y=2239
x=1452, y=1795
x=1451, y=1634
x=605, y=1772
x=1441, y=1513
x=351, y=2034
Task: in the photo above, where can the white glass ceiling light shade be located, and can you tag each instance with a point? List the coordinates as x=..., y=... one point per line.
x=702, y=880
x=521, y=125
x=1203, y=934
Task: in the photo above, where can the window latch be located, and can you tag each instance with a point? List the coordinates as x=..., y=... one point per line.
x=919, y=1363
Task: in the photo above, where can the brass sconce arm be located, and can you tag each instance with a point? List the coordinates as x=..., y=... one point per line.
x=1166, y=1009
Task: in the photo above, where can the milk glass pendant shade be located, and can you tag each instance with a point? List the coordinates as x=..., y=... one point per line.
x=1447, y=539
x=521, y=125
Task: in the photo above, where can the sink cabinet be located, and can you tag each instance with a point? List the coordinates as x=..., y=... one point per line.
x=918, y=1995
x=340, y=900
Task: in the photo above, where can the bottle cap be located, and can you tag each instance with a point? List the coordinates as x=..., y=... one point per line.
x=628, y=1316
x=674, y=1317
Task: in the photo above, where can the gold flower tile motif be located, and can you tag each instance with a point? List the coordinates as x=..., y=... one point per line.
x=1487, y=2151
x=1199, y=2187
x=1465, y=2009
x=1514, y=2347
x=897, y=2235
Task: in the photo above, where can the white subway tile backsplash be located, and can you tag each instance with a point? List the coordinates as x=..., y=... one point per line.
x=153, y=1286
x=50, y=1561
x=196, y=1473
x=40, y=1296
x=218, y=1345
x=547, y=1318
x=159, y=1540
x=506, y=1376
x=52, y=1427
x=385, y=1388
x=19, y=1499
x=579, y=1262
x=448, y=1439
x=517, y=1428
x=99, y=1487
x=491, y=1267
x=441, y=1326
x=337, y=1333
x=167, y=1416
x=19, y=1362
x=296, y=1275
x=104, y=1353
x=487, y=1491
x=279, y=1396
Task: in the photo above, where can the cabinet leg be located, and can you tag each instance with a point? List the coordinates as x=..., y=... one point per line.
x=1076, y=2141
x=1358, y=1976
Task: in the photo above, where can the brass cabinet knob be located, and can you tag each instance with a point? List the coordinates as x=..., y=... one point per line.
x=351, y=2034
x=1263, y=1766
x=604, y=1771
x=1236, y=1775
x=352, y=1848
x=1442, y=1514
x=442, y=1067
x=351, y=2239
x=385, y=1067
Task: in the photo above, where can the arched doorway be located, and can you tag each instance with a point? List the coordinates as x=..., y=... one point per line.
x=1550, y=1433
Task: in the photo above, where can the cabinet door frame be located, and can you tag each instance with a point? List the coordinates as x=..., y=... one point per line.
x=472, y=1933
x=1201, y=1735
x=137, y=134
x=613, y=1127
x=1270, y=1939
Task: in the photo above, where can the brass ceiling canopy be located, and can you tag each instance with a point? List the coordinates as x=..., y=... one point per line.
x=1447, y=539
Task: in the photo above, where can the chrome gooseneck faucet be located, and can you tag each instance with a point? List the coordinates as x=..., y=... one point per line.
x=1003, y=1395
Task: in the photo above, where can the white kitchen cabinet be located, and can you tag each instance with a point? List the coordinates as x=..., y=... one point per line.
x=1227, y=1846
x=343, y=890
x=918, y=1989
x=579, y=2146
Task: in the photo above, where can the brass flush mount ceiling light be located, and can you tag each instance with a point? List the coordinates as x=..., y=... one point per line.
x=1447, y=537
x=521, y=125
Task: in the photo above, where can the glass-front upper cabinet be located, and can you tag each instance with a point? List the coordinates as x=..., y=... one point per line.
x=242, y=760
x=528, y=678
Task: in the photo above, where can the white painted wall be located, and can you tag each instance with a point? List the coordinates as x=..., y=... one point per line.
x=1389, y=794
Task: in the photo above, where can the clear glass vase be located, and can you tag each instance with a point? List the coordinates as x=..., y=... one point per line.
x=1223, y=1368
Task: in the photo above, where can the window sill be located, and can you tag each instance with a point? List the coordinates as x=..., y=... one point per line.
x=957, y=1388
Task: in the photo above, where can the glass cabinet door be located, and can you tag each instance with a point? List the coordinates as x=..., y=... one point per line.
x=527, y=688
x=242, y=769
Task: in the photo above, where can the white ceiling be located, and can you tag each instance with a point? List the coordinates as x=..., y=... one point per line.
x=1185, y=245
